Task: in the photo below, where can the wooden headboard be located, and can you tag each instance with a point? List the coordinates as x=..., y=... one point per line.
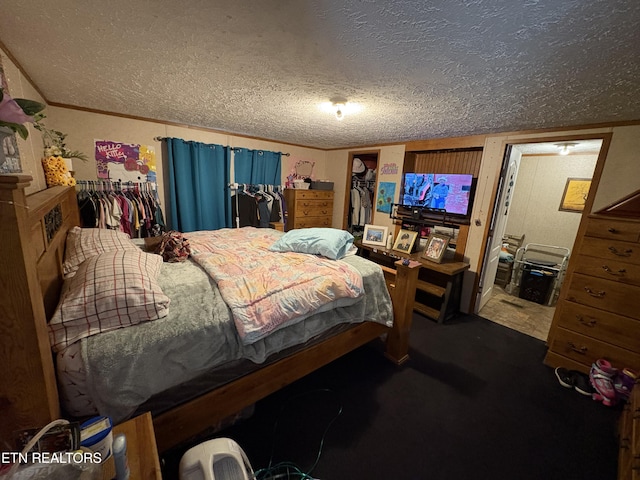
x=33, y=230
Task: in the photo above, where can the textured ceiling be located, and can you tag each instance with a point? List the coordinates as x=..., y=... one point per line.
x=419, y=69
x=578, y=147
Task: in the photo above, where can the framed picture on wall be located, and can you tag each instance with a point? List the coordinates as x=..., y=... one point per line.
x=575, y=194
x=375, y=235
x=436, y=247
x=405, y=240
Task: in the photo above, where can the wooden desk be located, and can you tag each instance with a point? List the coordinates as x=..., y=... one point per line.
x=439, y=284
x=142, y=452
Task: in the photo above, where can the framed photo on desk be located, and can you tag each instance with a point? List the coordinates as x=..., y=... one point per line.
x=375, y=235
x=436, y=247
x=405, y=240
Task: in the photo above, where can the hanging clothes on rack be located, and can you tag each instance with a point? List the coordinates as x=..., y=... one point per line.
x=131, y=207
x=361, y=196
x=256, y=205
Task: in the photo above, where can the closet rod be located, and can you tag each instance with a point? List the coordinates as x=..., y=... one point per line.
x=236, y=186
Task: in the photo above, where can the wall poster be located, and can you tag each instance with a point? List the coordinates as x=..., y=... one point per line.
x=575, y=194
x=125, y=162
x=386, y=194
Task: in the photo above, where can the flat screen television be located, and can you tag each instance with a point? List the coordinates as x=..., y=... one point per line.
x=439, y=192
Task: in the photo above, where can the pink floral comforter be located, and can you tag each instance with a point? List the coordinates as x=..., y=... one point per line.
x=266, y=290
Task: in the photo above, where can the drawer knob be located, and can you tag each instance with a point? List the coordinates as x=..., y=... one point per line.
x=623, y=253
x=612, y=230
x=306, y=212
x=599, y=294
x=619, y=273
x=581, y=350
x=587, y=322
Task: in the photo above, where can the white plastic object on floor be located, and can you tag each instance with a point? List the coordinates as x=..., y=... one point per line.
x=217, y=459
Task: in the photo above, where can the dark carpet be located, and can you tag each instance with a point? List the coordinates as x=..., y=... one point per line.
x=474, y=401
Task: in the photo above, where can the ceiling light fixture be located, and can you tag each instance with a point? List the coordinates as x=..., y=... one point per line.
x=565, y=147
x=340, y=108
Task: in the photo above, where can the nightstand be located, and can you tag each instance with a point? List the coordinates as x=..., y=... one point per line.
x=142, y=453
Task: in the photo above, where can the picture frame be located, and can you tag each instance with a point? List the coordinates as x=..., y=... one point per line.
x=405, y=241
x=436, y=247
x=375, y=235
x=575, y=194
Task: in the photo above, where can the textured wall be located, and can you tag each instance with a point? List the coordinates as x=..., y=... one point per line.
x=538, y=190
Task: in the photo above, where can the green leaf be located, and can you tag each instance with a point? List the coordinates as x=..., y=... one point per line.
x=77, y=154
x=29, y=107
x=22, y=131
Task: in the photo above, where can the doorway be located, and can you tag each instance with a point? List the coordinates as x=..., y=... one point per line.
x=528, y=206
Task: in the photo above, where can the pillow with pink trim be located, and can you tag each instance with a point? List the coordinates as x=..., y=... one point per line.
x=111, y=290
x=83, y=243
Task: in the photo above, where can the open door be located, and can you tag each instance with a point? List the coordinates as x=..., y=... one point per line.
x=498, y=224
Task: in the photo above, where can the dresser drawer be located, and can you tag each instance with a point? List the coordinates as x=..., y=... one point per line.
x=586, y=350
x=308, y=222
x=616, y=270
x=611, y=250
x=608, y=327
x=605, y=295
x=305, y=204
x=626, y=231
x=313, y=195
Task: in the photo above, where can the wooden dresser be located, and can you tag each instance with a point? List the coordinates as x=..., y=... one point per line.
x=629, y=438
x=598, y=313
x=308, y=208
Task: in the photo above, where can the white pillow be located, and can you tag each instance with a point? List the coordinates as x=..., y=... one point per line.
x=109, y=291
x=83, y=243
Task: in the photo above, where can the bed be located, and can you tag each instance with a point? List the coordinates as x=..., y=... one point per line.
x=34, y=230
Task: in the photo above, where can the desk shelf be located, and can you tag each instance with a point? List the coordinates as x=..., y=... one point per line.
x=439, y=284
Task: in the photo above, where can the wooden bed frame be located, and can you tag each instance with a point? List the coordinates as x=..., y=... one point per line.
x=33, y=229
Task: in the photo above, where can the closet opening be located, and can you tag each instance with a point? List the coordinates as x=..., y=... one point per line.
x=362, y=184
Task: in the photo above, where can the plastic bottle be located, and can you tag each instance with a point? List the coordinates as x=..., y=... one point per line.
x=120, y=457
x=390, y=241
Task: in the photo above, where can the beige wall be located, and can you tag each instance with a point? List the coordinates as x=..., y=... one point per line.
x=534, y=209
x=621, y=174
x=85, y=127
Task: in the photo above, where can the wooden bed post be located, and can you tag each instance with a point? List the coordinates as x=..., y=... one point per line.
x=403, y=292
x=32, y=241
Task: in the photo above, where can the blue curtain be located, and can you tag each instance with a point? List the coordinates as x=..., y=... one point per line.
x=199, y=176
x=257, y=166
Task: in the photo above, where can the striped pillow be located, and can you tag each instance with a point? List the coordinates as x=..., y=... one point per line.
x=109, y=291
x=83, y=243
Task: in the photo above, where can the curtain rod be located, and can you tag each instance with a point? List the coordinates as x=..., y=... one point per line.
x=159, y=139
x=259, y=151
